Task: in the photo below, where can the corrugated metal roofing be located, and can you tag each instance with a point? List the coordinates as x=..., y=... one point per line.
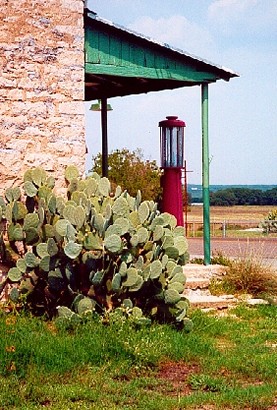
x=108, y=74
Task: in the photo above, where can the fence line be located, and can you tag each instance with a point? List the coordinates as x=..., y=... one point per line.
x=194, y=227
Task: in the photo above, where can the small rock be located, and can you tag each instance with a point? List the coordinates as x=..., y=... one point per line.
x=228, y=297
x=254, y=302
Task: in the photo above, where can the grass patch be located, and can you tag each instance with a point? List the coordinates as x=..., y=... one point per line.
x=225, y=362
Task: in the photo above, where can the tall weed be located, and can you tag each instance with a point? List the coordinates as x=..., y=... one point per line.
x=251, y=273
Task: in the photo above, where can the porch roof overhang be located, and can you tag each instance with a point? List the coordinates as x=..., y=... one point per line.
x=120, y=62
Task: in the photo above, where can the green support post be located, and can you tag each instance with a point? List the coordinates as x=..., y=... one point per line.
x=205, y=175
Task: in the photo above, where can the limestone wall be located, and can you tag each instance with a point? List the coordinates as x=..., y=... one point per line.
x=41, y=87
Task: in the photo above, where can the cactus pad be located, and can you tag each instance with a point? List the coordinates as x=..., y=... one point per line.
x=71, y=172
x=31, y=221
x=113, y=243
x=72, y=249
x=14, y=274
x=120, y=207
x=30, y=189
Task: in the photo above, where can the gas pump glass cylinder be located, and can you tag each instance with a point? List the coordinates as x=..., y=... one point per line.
x=172, y=142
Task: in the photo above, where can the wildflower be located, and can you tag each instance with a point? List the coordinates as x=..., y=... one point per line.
x=11, y=320
x=12, y=367
x=10, y=349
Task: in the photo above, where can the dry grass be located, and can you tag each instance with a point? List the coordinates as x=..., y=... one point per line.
x=231, y=213
x=235, y=221
x=248, y=273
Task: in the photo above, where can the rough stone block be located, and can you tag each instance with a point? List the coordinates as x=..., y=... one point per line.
x=72, y=107
x=41, y=87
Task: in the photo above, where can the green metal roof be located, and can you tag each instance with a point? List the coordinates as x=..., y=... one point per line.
x=121, y=62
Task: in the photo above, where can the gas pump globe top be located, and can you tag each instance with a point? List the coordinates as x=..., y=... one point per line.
x=172, y=142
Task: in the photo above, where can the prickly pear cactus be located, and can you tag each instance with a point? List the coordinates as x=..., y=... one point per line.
x=94, y=251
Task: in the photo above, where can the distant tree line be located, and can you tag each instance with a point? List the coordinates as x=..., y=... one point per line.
x=243, y=196
x=132, y=172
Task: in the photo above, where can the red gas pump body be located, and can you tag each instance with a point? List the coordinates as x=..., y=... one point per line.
x=172, y=162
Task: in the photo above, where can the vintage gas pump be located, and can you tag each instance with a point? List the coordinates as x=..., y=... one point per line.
x=172, y=162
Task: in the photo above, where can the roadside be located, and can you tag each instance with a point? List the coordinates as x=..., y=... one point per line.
x=200, y=276
x=263, y=248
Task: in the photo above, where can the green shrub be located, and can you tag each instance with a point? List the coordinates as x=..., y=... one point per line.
x=132, y=172
x=269, y=225
x=218, y=258
x=95, y=251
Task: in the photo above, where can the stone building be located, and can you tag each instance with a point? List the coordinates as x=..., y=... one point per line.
x=42, y=119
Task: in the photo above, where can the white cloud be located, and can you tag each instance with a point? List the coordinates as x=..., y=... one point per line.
x=239, y=16
x=229, y=9
x=177, y=31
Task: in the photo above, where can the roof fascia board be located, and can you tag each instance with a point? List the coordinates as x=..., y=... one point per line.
x=151, y=73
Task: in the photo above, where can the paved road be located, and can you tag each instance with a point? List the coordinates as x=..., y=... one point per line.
x=265, y=248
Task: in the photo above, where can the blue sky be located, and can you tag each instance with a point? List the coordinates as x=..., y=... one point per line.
x=238, y=34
